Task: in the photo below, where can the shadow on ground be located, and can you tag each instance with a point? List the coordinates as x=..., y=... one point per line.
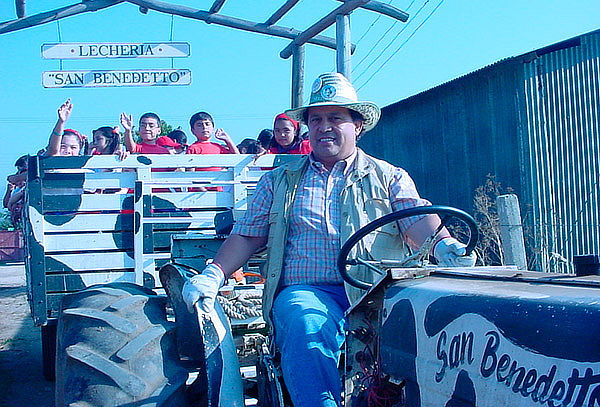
x=21, y=380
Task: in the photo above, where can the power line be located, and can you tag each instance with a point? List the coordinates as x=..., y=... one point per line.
x=401, y=45
x=380, y=39
x=375, y=45
x=392, y=41
x=372, y=24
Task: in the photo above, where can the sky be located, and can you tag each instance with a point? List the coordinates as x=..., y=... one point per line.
x=238, y=76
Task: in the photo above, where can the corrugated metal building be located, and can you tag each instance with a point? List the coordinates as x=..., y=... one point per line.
x=532, y=121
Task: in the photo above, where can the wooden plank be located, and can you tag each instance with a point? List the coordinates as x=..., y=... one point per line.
x=140, y=232
x=56, y=14
x=87, y=202
x=277, y=15
x=162, y=240
x=87, y=242
x=35, y=263
x=321, y=25
x=386, y=9
x=60, y=283
x=138, y=161
x=20, y=6
x=216, y=6
x=342, y=54
x=89, y=181
x=203, y=226
x=199, y=218
x=88, y=222
x=232, y=22
x=297, y=76
x=209, y=200
x=89, y=262
x=92, y=243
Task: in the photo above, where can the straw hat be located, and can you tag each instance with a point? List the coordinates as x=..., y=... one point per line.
x=333, y=89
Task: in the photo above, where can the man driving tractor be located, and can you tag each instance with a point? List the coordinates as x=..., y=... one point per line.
x=303, y=213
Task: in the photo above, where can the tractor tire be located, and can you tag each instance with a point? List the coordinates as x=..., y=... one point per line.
x=115, y=347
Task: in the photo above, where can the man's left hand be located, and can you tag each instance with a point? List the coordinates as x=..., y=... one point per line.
x=449, y=252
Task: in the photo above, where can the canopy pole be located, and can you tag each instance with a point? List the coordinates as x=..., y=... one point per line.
x=297, y=75
x=343, y=45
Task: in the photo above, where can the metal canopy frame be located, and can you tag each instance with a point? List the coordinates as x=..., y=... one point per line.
x=339, y=16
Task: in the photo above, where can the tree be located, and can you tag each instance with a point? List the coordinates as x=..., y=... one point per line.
x=165, y=128
x=5, y=222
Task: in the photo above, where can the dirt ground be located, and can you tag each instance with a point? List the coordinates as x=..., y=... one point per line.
x=21, y=380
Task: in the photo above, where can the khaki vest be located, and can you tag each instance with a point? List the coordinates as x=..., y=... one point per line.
x=365, y=197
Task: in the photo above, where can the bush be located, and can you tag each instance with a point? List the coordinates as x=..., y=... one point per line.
x=5, y=222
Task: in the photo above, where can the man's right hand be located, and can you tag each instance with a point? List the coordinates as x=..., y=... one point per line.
x=203, y=288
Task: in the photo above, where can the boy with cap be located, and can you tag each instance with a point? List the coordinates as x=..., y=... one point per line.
x=175, y=141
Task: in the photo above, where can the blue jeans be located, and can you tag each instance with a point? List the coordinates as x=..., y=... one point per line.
x=309, y=332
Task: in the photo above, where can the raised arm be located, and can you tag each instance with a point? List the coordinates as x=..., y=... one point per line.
x=64, y=112
x=127, y=123
x=220, y=134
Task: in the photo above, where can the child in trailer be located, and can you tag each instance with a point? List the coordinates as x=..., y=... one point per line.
x=106, y=140
x=203, y=127
x=264, y=139
x=249, y=146
x=287, y=140
x=175, y=141
x=65, y=142
x=15, y=191
x=150, y=129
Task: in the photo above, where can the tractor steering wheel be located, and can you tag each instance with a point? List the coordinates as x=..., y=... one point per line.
x=445, y=212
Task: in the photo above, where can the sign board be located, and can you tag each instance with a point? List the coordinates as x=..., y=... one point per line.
x=84, y=50
x=117, y=78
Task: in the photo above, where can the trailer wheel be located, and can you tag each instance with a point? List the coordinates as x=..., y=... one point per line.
x=115, y=347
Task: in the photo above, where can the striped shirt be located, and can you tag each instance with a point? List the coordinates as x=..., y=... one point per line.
x=313, y=241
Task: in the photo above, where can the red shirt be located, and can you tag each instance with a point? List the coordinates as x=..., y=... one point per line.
x=143, y=148
x=207, y=147
x=302, y=148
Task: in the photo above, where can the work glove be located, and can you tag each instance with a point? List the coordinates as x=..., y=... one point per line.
x=449, y=252
x=203, y=288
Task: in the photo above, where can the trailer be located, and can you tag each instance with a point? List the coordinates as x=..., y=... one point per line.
x=98, y=220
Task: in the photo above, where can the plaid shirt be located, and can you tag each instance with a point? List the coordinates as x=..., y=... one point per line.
x=313, y=241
